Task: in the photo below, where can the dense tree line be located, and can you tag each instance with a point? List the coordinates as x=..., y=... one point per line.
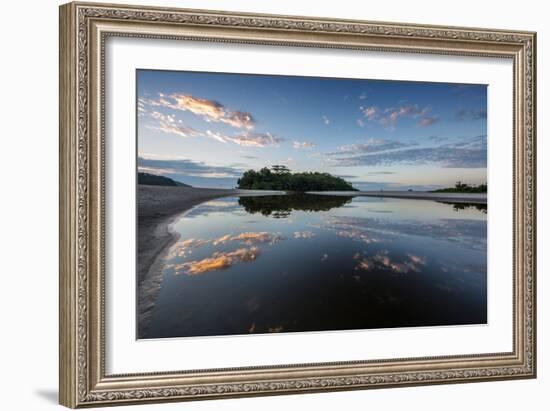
x=280, y=178
x=464, y=188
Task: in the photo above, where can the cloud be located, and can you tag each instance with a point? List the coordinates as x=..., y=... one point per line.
x=363, y=96
x=382, y=260
x=209, y=110
x=465, y=153
x=306, y=235
x=389, y=116
x=218, y=261
x=250, y=238
x=247, y=139
x=428, y=121
x=372, y=145
x=303, y=144
x=185, y=167
x=249, y=157
x=326, y=120
x=169, y=124
x=469, y=114
x=371, y=113
x=360, y=122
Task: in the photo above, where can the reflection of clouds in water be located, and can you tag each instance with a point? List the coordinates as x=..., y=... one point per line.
x=219, y=206
x=183, y=248
x=469, y=233
x=381, y=259
x=250, y=238
x=276, y=329
x=304, y=234
x=358, y=235
x=218, y=261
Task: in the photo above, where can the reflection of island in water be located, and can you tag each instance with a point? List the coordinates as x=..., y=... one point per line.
x=281, y=206
x=467, y=206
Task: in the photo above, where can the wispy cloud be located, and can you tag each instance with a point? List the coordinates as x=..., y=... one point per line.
x=372, y=145
x=185, y=167
x=209, y=110
x=363, y=96
x=247, y=139
x=169, y=124
x=326, y=120
x=303, y=144
x=428, y=121
x=469, y=114
x=465, y=153
x=388, y=117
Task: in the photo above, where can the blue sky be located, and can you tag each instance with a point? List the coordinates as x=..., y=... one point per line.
x=205, y=129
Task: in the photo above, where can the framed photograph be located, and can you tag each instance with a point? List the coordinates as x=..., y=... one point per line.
x=258, y=204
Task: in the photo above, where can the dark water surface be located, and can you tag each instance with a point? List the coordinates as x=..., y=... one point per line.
x=297, y=263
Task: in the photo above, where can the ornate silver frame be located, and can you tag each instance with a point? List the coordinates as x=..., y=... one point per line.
x=84, y=27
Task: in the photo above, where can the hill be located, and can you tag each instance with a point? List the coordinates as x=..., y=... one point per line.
x=155, y=180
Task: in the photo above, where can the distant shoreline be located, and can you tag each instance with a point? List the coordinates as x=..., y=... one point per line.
x=480, y=198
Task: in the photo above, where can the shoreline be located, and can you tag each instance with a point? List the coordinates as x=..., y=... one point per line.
x=480, y=198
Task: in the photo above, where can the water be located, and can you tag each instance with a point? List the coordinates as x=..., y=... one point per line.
x=297, y=263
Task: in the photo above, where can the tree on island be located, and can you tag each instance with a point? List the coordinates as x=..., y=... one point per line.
x=460, y=187
x=279, y=177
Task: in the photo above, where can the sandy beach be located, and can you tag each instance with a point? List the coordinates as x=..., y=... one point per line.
x=480, y=198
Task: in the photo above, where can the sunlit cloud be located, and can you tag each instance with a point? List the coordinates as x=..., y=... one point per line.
x=209, y=110
x=218, y=261
x=303, y=144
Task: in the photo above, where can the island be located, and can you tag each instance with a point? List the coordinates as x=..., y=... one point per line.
x=279, y=177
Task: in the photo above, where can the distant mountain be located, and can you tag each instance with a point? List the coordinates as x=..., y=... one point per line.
x=155, y=180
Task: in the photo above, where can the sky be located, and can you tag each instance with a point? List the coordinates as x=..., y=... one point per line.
x=205, y=129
